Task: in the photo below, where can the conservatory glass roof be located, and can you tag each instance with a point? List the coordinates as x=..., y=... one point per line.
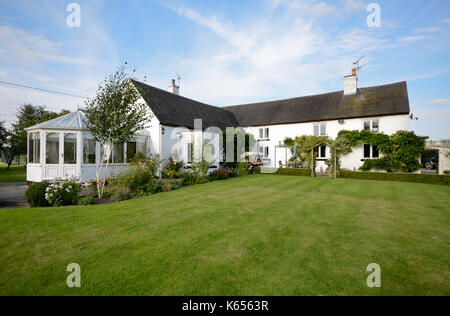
x=75, y=120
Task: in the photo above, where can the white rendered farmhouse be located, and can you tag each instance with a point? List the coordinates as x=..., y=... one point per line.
x=63, y=147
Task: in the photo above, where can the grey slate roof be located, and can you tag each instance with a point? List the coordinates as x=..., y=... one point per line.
x=391, y=99
x=174, y=110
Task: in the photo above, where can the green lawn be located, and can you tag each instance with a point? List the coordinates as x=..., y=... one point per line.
x=259, y=235
x=13, y=174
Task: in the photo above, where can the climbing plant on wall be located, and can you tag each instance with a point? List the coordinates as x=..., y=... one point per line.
x=304, y=145
x=400, y=151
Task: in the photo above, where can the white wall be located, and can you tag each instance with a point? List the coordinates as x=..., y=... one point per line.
x=387, y=124
x=175, y=143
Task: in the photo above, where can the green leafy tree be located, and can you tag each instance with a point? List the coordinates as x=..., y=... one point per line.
x=114, y=116
x=29, y=115
x=3, y=135
x=9, y=149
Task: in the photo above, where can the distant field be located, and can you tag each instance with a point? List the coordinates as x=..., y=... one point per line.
x=13, y=174
x=257, y=235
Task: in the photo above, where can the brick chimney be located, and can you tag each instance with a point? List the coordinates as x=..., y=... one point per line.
x=351, y=83
x=173, y=88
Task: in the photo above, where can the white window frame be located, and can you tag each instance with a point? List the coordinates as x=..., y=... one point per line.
x=371, y=125
x=317, y=129
x=320, y=151
x=371, y=152
x=264, y=133
x=264, y=152
x=189, y=153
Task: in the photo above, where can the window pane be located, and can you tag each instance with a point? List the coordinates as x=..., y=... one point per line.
x=89, y=151
x=323, y=151
x=367, y=125
x=189, y=152
x=131, y=151
x=267, y=133
x=70, y=149
x=323, y=129
x=376, y=125
x=366, y=151
x=142, y=147
x=261, y=133
x=31, y=148
x=316, y=130
x=376, y=152
x=37, y=148
x=119, y=153
x=267, y=152
x=52, y=148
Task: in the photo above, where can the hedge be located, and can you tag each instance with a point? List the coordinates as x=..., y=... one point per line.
x=294, y=172
x=398, y=177
x=35, y=194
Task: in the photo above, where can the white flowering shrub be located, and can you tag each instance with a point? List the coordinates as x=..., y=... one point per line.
x=61, y=192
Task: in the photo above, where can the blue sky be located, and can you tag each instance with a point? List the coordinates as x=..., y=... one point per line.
x=228, y=52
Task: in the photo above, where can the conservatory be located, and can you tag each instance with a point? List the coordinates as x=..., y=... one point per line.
x=63, y=147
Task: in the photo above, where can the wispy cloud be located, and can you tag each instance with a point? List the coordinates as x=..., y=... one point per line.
x=355, y=5
x=427, y=30
x=273, y=58
x=413, y=38
x=439, y=101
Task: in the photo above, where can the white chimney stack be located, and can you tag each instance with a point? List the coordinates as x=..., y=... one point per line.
x=351, y=83
x=173, y=88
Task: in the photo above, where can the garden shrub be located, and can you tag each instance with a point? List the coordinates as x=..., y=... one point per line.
x=398, y=177
x=155, y=187
x=121, y=194
x=138, y=175
x=235, y=173
x=294, y=172
x=200, y=169
x=171, y=169
x=447, y=172
x=212, y=177
x=243, y=169
x=35, y=194
x=190, y=178
x=219, y=174
x=87, y=200
x=62, y=192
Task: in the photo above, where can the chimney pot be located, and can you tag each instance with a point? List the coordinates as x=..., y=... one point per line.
x=351, y=83
x=173, y=88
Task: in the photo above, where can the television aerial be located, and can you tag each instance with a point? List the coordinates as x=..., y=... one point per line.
x=357, y=64
x=413, y=118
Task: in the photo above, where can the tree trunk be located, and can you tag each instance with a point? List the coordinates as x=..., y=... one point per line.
x=108, y=156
